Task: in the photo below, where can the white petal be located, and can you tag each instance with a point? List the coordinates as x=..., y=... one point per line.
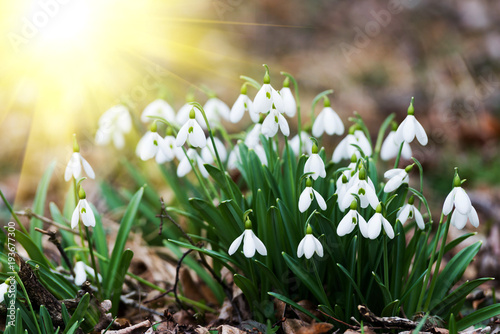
x=300, y=249
x=80, y=274
x=473, y=217
x=420, y=133
x=75, y=217
x=339, y=128
x=269, y=126
x=341, y=150
x=88, y=218
x=263, y=102
x=3, y=290
x=248, y=244
x=462, y=201
x=388, y=228
x=182, y=135
x=458, y=220
x=197, y=137
x=371, y=196
x=320, y=200
x=318, y=246
x=88, y=169
x=283, y=125
x=118, y=140
x=404, y=213
x=346, y=226
x=389, y=148
x=159, y=108
x=394, y=183
x=278, y=102
x=305, y=199
x=409, y=133
x=419, y=219
x=309, y=246
x=399, y=136
x=259, y=245
x=448, y=202
x=235, y=244
x=374, y=226
x=201, y=167
x=364, y=228
x=319, y=125
x=393, y=172
x=289, y=101
x=238, y=109
x=150, y=146
x=406, y=152
x=184, y=167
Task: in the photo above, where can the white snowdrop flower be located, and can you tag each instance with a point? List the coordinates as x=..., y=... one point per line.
x=307, y=144
x=267, y=96
x=309, y=245
x=183, y=114
x=315, y=164
x=158, y=108
x=396, y=176
x=346, y=148
x=168, y=151
x=150, y=144
x=363, y=189
x=82, y=211
x=464, y=210
x=234, y=157
x=75, y=163
x=252, y=138
x=390, y=148
x=184, y=166
x=192, y=132
x=350, y=220
x=4, y=287
x=250, y=243
x=342, y=186
x=289, y=104
x=408, y=211
x=208, y=152
x=410, y=128
x=274, y=121
x=373, y=227
x=81, y=270
x=215, y=109
x=243, y=103
x=113, y=124
x=307, y=195
x=327, y=121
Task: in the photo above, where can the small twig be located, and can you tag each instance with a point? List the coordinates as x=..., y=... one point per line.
x=30, y=214
x=337, y=320
x=131, y=329
x=57, y=243
x=203, y=261
x=177, y=270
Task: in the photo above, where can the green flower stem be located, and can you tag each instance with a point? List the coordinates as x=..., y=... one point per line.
x=14, y=215
x=297, y=100
x=398, y=157
x=315, y=101
x=438, y=264
x=431, y=262
x=77, y=199
x=252, y=82
x=92, y=259
x=197, y=174
x=386, y=263
x=380, y=137
x=20, y=282
x=210, y=133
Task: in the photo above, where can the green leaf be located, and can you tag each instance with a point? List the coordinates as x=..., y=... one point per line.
x=32, y=249
x=449, y=246
x=119, y=278
x=443, y=307
x=478, y=316
x=306, y=278
x=454, y=270
x=275, y=282
x=223, y=180
x=249, y=289
x=39, y=205
x=47, y=326
x=385, y=291
x=79, y=313
x=99, y=238
x=353, y=283
x=391, y=309
x=56, y=283
x=452, y=326
x=293, y=304
x=121, y=239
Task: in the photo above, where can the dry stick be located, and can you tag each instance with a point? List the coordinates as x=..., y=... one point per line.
x=57, y=243
x=30, y=214
x=203, y=261
x=131, y=329
x=177, y=270
x=337, y=320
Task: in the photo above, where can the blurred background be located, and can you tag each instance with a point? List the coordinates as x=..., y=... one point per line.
x=64, y=62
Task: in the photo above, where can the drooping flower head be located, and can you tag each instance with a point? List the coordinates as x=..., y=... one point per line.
x=267, y=96
x=315, y=164
x=363, y=189
x=307, y=144
x=192, y=132
x=307, y=196
x=274, y=121
x=168, y=150
x=373, y=227
x=350, y=220
x=459, y=200
x=351, y=144
x=309, y=245
x=250, y=242
x=408, y=211
x=215, y=109
x=4, y=287
x=410, y=128
x=327, y=121
x=83, y=211
x=390, y=148
x=397, y=177
x=158, y=108
x=113, y=124
x=192, y=157
x=150, y=144
x=75, y=163
x=243, y=103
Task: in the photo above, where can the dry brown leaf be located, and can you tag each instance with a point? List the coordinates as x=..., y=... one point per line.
x=366, y=330
x=226, y=329
x=297, y=326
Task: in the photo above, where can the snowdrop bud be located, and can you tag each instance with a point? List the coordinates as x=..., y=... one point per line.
x=411, y=110
x=243, y=89
x=456, y=180
x=192, y=114
x=309, y=229
x=326, y=102
x=169, y=131
x=76, y=147
x=81, y=193
x=308, y=182
x=409, y=168
x=314, y=149
x=354, y=205
x=286, y=82
x=354, y=158
x=362, y=174
x=248, y=224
